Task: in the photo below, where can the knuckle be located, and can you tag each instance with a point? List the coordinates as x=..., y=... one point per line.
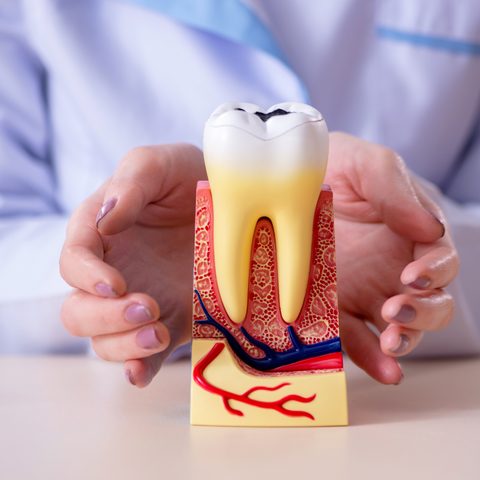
x=389, y=158
x=450, y=311
x=62, y=269
x=387, y=154
x=69, y=322
x=444, y=311
x=68, y=314
x=140, y=153
x=141, y=158
x=98, y=348
x=187, y=150
x=456, y=263
x=68, y=253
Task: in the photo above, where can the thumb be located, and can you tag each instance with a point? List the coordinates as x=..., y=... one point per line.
x=148, y=175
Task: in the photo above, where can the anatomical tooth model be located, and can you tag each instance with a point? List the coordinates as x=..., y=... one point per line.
x=266, y=347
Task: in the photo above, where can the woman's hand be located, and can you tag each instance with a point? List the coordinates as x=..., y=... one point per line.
x=394, y=256
x=129, y=256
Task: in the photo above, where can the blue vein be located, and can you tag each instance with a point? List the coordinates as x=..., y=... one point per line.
x=272, y=359
x=437, y=43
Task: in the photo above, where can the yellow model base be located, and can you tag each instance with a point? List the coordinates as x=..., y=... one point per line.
x=329, y=407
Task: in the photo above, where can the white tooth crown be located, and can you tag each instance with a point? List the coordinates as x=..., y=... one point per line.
x=231, y=114
x=271, y=169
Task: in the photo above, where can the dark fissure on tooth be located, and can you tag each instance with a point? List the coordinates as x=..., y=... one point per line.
x=266, y=116
x=275, y=113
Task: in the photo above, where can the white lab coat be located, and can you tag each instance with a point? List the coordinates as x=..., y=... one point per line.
x=81, y=83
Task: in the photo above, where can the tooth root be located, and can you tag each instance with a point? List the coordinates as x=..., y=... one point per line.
x=233, y=236
x=294, y=244
x=293, y=223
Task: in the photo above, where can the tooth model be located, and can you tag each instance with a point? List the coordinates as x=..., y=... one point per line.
x=266, y=347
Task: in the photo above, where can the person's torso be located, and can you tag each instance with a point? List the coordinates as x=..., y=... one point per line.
x=402, y=73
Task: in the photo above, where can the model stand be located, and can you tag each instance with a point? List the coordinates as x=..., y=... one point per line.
x=263, y=370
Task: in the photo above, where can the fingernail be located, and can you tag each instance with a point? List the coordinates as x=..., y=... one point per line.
x=147, y=338
x=400, y=381
x=105, y=209
x=438, y=220
x=138, y=313
x=105, y=290
x=402, y=345
x=406, y=314
x=128, y=377
x=420, y=283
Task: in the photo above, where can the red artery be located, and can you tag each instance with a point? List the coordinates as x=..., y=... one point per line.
x=331, y=360
x=245, y=398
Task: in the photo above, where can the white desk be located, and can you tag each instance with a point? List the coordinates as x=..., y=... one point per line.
x=71, y=418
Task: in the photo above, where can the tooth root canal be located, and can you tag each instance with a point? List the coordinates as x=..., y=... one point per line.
x=268, y=165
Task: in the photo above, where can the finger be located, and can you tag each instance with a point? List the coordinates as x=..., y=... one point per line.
x=86, y=315
x=397, y=341
x=82, y=269
x=141, y=371
x=430, y=311
x=139, y=343
x=148, y=175
x=363, y=348
x=436, y=267
x=378, y=187
x=81, y=260
x=425, y=198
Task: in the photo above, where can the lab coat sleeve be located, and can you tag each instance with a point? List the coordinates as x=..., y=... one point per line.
x=32, y=226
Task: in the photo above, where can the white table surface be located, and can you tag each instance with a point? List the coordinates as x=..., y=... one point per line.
x=77, y=418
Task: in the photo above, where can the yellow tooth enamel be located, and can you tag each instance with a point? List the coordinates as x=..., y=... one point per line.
x=245, y=187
